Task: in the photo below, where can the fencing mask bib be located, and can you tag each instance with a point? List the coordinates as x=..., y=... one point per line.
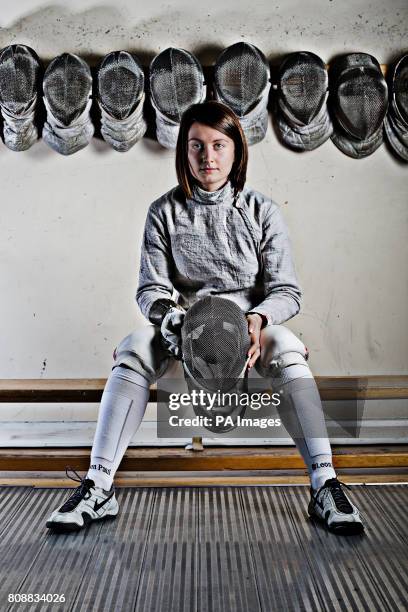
x=359, y=100
x=67, y=89
x=20, y=73
x=242, y=82
x=176, y=82
x=396, y=121
x=302, y=116
x=215, y=343
x=120, y=86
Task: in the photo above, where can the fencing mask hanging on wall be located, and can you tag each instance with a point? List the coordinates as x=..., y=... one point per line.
x=396, y=121
x=20, y=73
x=242, y=82
x=176, y=82
x=120, y=85
x=302, y=115
x=359, y=100
x=215, y=343
x=67, y=89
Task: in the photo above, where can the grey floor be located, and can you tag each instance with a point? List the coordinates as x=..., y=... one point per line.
x=208, y=549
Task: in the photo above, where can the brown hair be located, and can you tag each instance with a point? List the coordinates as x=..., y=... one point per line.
x=221, y=118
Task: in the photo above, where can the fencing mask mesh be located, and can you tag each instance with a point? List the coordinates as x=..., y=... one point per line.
x=302, y=116
x=215, y=343
x=120, y=85
x=359, y=100
x=67, y=89
x=241, y=81
x=176, y=82
x=19, y=85
x=396, y=121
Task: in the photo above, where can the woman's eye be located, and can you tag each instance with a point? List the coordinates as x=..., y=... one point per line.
x=219, y=145
x=196, y=146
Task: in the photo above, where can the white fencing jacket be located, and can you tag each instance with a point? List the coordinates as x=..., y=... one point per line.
x=217, y=244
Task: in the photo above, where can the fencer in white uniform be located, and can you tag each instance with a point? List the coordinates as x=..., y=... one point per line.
x=212, y=235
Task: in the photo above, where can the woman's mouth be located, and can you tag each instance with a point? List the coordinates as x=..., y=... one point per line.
x=208, y=170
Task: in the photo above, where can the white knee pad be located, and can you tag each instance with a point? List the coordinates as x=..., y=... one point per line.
x=280, y=348
x=142, y=352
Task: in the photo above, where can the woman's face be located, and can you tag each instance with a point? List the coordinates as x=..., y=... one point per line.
x=210, y=155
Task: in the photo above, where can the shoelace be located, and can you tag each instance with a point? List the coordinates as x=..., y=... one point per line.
x=80, y=493
x=341, y=501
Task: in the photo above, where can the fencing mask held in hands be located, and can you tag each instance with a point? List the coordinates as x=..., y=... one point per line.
x=20, y=72
x=396, y=120
x=215, y=343
x=176, y=82
x=359, y=100
x=120, y=85
x=242, y=82
x=302, y=116
x=67, y=89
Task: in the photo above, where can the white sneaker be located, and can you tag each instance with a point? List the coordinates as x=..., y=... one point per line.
x=87, y=503
x=331, y=505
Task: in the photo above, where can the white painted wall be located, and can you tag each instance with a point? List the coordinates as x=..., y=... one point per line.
x=70, y=228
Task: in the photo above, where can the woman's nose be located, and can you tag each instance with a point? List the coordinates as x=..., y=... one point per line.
x=206, y=153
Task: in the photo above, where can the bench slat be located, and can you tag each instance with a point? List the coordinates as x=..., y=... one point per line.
x=210, y=459
x=90, y=389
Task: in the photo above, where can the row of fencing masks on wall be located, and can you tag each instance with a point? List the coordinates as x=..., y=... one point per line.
x=241, y=81
x=120, y=97
x=215, y=343
x=67, y=89
x=358, y=104
x=352, y=114
x=67, y=96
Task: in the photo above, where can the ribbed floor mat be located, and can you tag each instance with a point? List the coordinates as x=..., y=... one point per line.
x=207, y=549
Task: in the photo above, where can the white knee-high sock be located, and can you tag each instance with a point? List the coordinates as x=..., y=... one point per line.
x=302, y=415
x=122, y=407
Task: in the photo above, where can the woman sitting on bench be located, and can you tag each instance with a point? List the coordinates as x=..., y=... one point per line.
x=211, y=235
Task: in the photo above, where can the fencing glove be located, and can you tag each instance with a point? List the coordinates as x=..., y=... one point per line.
x=302, y=116
x=20, y=72
x=67, y=89
x=396, y=120
x=241, y=81
x=120, y=85
x=169, y=316
x=359, y=100
x=171, y=330
x=176, y=82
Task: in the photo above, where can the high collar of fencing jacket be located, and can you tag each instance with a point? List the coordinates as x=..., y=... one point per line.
x=224, y=195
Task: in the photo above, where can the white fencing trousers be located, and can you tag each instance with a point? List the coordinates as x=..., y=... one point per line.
x=126, y=394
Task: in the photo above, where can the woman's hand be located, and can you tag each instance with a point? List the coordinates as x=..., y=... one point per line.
x=254, y=329
x=171, y=330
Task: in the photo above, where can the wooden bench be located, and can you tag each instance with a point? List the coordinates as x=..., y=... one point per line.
x=212, y=458
x=90, y=389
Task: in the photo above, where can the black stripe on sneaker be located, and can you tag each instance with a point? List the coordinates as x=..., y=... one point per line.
x=99, y=506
